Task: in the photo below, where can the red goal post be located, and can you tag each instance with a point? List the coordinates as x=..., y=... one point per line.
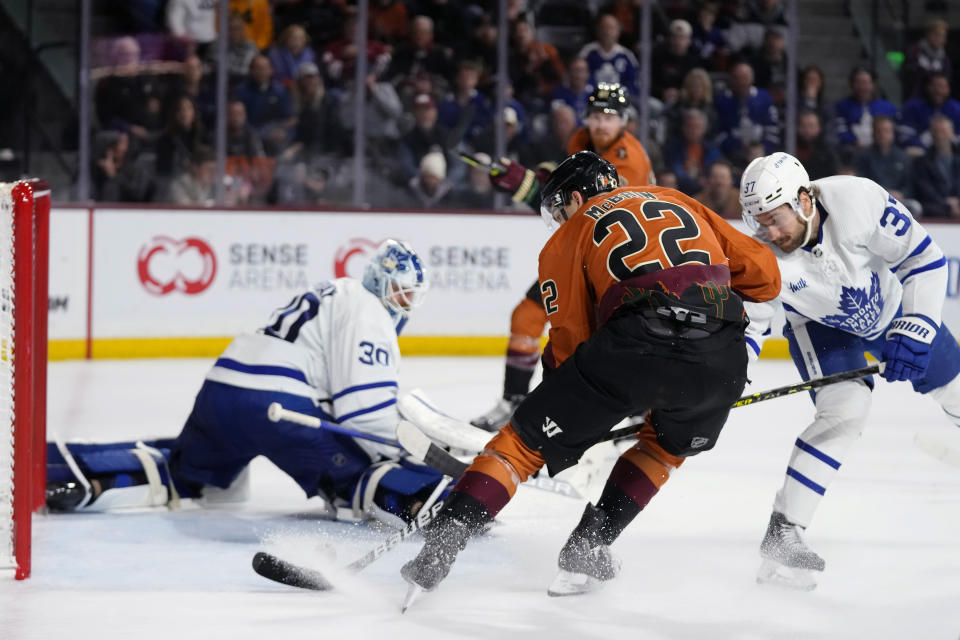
x=24, y=265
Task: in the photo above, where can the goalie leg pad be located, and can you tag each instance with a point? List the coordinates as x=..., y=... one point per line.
x=818, y=452
x=395, y=492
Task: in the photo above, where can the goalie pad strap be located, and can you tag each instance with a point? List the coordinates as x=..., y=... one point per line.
x=158, y=491
x=75, y=470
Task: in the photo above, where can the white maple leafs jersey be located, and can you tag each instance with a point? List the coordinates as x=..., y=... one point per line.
x=335, y=344
x=871, y=256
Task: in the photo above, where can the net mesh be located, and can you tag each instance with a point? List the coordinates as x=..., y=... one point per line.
x=6, y=375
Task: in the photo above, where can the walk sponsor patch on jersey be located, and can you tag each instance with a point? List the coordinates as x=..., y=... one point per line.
x=799, y=284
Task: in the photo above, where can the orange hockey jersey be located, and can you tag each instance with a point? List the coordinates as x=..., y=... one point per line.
x=641, y=246
x=626, y=154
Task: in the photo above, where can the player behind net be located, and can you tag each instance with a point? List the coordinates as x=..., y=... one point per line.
x=604, y=133
x=665, y=277
x=331, y=353
x=864, y=277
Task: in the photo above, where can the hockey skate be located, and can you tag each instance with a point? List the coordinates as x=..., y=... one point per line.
x=443, y=541
x=501, y=413
x=585, y=562
x=787, y=561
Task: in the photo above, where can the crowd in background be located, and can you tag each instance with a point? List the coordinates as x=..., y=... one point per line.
x=716, y=101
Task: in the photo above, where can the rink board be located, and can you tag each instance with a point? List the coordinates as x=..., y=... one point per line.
x=174, y=282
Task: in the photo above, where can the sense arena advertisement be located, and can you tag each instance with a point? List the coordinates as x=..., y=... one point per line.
x=209, y=274
x=203, y=273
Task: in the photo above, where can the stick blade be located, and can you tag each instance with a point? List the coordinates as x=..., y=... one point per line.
x=273, y=568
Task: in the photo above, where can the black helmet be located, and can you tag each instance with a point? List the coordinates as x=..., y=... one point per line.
x=585, y=172
x=608, y=98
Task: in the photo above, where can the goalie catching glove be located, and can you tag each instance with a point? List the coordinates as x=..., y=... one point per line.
x=906, y=351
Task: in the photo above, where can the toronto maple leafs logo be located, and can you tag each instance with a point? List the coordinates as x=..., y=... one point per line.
x=860, y=310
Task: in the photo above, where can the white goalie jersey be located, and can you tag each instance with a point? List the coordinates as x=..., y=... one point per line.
x=870, y=258
x=335, y=344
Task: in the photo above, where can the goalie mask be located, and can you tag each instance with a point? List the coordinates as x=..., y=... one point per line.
x=395, y=274
x=585, y=172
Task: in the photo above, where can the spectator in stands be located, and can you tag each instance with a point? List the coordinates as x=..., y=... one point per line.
x=248, y=166
x=719, y=192
x=810, y=91
x=887, y=164
x=745, y=115
x=552, y=145
x=429, y=188
x=577, y=88
x=928, y=55
x=667, y=178
x=242, y=139
x=318, y=111
x=289, y=53
x=853, y=116
x=917, y=113
x=535, y=67
x=198, y=85
x=449, y=19
x=936, y=175
x=179, y=141
x=813, y=151
x=389, y=21
x=696, y=93
x=672, y=61
x=465, y=112
x=689, y=155
x=770, y=65
x=625, y=11
x=193, y=21
x=708, y=40
x=258, y=19
x=127, y=98
x=323, y=19
x=481, y=45
x=382, y=116
x=268, y=103
x=608, y=60
x=426, y=135
x=420, y=52
x=753, y=19
x=341, y=54
x=240, y=49
x=195, y=185
x=117, y=176
x=514, y=133
x=478, y=192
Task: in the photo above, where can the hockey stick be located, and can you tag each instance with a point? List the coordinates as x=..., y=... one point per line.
x=494, y=168
x=446, y=464
x=779, y=392
x=273, y=568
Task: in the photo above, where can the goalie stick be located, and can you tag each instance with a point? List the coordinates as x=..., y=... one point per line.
x=428, y=452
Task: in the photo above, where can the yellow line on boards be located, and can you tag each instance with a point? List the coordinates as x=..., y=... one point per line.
x=213, y=347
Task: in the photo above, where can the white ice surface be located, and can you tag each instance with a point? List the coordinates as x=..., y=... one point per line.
x=889, y=530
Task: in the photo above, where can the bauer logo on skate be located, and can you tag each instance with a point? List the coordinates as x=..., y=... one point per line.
x=165, y=264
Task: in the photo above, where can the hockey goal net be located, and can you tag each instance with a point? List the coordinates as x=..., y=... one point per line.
x=24, y=233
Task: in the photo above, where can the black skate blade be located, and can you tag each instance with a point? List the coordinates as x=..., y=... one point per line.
x=273, y=568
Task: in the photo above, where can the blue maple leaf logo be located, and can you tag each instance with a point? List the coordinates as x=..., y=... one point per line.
x=860, y=309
